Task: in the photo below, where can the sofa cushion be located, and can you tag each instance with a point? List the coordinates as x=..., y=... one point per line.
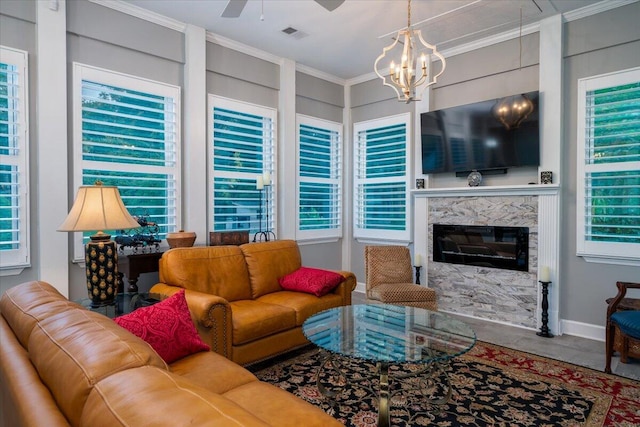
x=148, y=396
x=267, y=262
x=212, y=371
x=216, y=270
x=23, y=306
x=270, y=404
x=311, y=280
x=167, y=327
x=74, y=349
x=305, y=305
x=253, y=320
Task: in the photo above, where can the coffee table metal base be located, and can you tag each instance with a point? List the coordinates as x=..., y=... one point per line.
x=433, y=373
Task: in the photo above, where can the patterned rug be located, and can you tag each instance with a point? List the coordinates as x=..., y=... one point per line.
x=492, y=386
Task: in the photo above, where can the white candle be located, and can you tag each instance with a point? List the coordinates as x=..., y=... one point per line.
x=417, y=261
x=259, y=183
x=545, y=275
x=266, y=178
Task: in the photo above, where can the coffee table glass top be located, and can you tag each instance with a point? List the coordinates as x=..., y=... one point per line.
x=389, y=333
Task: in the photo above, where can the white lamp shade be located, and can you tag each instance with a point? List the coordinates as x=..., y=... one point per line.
x=97, y=208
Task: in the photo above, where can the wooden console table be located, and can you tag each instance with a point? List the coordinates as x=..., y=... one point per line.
x=133, y=265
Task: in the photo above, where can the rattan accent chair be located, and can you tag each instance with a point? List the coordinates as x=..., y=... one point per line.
x=389, y=275
x=623, y=325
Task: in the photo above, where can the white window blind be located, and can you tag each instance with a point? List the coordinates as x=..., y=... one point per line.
x=243, y=143
x=609, y=167
x=380, y=186
x=319, y=178
x=126, y=133
x=14, y=190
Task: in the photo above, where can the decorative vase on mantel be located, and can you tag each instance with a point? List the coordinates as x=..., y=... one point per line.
x=474, y=178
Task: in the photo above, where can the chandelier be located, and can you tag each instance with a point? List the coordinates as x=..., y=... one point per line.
x=409, y=75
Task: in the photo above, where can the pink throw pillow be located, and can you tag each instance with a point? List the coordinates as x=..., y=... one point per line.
x=167, y=327
x=311, y=280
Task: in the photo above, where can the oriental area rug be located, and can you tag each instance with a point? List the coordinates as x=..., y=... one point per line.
x=492, y=386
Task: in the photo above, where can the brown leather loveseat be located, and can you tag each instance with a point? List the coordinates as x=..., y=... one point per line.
x=246, y=315
x=63, y=365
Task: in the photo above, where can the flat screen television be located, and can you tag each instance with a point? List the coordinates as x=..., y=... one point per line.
x=468, y=137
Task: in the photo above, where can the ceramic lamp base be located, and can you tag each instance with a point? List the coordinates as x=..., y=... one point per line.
x=101, y=258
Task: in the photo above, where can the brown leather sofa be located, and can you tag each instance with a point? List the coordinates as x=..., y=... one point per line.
x=63, y=365
x=245, y=315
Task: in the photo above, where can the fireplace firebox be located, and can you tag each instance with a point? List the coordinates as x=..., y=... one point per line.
x=484, y=246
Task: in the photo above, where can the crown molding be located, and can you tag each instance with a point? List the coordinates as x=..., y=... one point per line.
x=141, y=13
x=320, y=74
x=595, y=8
x=242, y=48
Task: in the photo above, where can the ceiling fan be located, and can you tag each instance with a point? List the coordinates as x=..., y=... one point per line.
x=234, y=7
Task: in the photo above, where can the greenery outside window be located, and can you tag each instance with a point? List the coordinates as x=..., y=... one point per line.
x=242, y=148
x=319, y=178
x=14, y=147
x=381, y=197
x=608, y=177
x=126, y=133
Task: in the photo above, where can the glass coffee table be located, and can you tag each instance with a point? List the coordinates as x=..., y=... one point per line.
x=389, y=335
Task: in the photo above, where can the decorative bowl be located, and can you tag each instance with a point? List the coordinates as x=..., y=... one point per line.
x=181, y=239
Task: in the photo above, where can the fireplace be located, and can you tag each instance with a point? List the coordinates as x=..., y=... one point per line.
x=481, y=245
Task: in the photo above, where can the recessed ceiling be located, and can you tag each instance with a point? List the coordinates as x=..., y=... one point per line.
x=346, y=41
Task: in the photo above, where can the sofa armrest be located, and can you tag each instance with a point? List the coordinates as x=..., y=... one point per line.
x=211, y=315
x=346, y=287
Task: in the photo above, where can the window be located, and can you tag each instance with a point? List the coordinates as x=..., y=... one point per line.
x=243, y=143
x=608, y=180
x=126, y=133
x=14, y=144
x=381, y=198
x=319, y=178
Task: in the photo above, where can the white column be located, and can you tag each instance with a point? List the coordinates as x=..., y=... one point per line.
x=550, y=86
x=51, y=144
x=194, y=207
x=286, y=165
x=347, y=181
x=549, y=256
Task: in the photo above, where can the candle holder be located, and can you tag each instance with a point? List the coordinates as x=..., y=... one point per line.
x=417, y=267
x=544, y=330
x=264, y=236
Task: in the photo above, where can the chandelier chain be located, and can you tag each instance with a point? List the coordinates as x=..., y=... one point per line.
x=409, y=15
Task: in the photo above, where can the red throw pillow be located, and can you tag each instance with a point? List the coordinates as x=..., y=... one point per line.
x=167, y=327
x=311, y=280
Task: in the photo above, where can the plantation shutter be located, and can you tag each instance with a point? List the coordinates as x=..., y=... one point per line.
x=381, y=196
x=243, y=146
x=129, y=139
x=610, y=173
x=14, y=250
x=319, y=179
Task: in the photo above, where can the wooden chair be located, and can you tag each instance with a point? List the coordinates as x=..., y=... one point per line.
x=389, y=275
x=623, y=325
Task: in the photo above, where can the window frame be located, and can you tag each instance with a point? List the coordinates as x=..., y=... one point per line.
x=365, y=235
x=594, y=251
x=135, y=83
x=269, y=161
x=321, y=234
x=12, y=262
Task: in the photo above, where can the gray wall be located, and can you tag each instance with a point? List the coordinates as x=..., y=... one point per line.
x=595, y=45
x=18, y=30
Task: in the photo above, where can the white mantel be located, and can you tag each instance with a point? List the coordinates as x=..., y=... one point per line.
x=547, y=198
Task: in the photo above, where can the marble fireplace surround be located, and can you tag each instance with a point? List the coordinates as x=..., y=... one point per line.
x=505, y=296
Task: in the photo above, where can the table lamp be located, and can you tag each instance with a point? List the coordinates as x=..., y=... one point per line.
x=99, y=207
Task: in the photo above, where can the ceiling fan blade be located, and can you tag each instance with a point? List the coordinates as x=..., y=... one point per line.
x=330, y=5
x=233, y=9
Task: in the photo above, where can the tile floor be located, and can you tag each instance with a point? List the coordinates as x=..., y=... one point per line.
x=572, y=349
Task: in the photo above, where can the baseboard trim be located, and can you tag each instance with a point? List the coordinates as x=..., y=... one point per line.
x=583, y=330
